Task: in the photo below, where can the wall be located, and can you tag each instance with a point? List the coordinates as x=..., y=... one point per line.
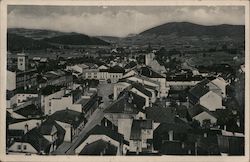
x=118, y=88
x=67, y=128
x=46, y=101
x=29, y=148
x=11, y=80
x=124, y=127
x=21, y=97
x=211, y=101
x=21, y=125
x=93, y=138
x=204, y=115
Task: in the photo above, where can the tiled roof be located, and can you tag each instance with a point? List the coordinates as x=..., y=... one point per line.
x=137, y=127
x=148, y=72
x=30, y=110
x=99, y=147
x=116, y=69
x=36, y=139
x=130, y=65
x=199, y=90
x=128, y=103
x=101, y=130
x=177, y=148
x=68, y=116
x=46, y=128
x=142, y=89
x=197, y=109
x=160, y=114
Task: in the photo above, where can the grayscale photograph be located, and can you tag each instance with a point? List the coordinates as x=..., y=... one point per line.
x=125, y=80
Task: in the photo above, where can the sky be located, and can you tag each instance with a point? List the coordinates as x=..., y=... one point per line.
x=118, y=20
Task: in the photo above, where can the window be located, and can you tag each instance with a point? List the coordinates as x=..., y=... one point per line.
x=24, y=147
x=19, y=147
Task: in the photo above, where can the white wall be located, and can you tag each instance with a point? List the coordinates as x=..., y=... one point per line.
x=11, y=80
x=118, y=88
x=211, y=101
x=204, y=115
x=124, y=127
x=67, y=128
x=47, y=99
x=21, y=125
x=29, y=148
x=93, y=138
x=142, y=95
x=22, y=97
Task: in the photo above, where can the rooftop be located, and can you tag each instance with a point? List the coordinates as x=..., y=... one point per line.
x=99, y=147
x=127, y=103
x=68, y=116
x=137, y=127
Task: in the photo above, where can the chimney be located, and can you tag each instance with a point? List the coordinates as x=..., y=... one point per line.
x=171, y=135
x=26, y=128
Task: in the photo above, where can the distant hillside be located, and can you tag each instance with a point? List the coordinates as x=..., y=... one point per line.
x=190, y=29
x=36, y=34
x=17, y=43
x=37, y=39
x=76, y=39
x=173, y=33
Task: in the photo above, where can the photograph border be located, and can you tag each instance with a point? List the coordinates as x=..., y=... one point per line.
x=3, y=73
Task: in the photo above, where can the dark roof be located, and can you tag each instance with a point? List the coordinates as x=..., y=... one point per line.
x=116, y=69
x=199, y=90
x=137, y=126
x=178, y=126
x=30, y=110
x=90, y=103
x=15, y=133
x=142, y=89
x=46, y=128
x=197, y=109
x=50, y=89
x=130, y=65
x=128, y=103
x=36, y=139
x=177, y=148
x=149, y=72
x=68, y=116
x=99, y=147
x=160, y=114
x=101, y=130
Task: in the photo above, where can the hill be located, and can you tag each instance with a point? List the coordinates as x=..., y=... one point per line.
x=76, y=39
x=189, y=29
x=17, y=43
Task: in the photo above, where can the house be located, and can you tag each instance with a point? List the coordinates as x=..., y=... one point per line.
x=150, y=61
x=32, y=142
x=113, y=74
x=25, y=124
x=66, y=101
x=26, y=79
x=105, y=141
x=88, y=104
x=206, y=94
x=170, y=131
x=77, y=68
x=56, y=78
x=143, y=91
x=47, y=94
x=222, y=84
x=145, y=75
x=203, y=115
x=30, y=111
x=121, y=112
x=141, y=136
x=71, y=121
